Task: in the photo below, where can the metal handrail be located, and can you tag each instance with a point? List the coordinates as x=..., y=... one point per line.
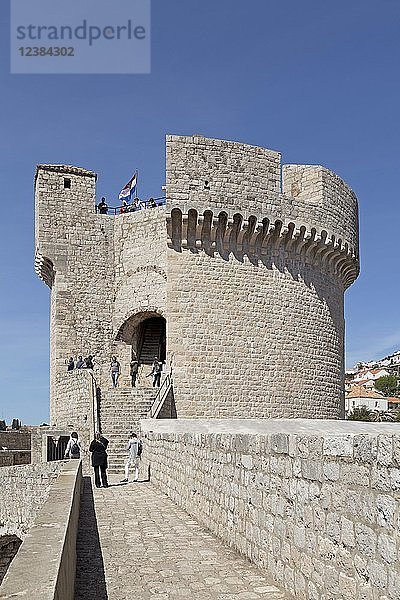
x=161, y=396
x=144, y=204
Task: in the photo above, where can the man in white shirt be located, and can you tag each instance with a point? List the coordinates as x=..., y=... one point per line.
x=134, y=449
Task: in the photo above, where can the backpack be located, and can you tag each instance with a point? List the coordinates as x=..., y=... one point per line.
x=75, y=450
x=139, y=448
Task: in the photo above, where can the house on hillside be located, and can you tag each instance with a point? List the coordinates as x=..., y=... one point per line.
x=393, y=403
x=359, y=396
x=370, y=374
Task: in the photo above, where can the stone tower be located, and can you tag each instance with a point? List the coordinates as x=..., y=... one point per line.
x=238, y=281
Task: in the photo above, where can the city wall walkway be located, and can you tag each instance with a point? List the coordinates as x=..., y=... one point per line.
x=133, y=542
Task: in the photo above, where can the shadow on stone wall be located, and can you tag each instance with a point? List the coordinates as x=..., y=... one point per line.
x=9, y=545
x=90, y=582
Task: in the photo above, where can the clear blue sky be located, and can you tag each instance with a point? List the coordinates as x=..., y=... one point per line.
x=318, y=81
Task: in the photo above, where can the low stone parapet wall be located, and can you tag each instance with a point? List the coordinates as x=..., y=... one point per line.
x=75, y=406
x=9, y=545
x=45, y=564
x=314, y=503
x=15, y=440
x=23, y=490
x=8, y=458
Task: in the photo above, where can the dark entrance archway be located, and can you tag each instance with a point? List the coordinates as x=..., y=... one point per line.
x=151, y=340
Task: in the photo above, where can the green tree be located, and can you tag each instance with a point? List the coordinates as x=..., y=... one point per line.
x=360, y=414
x=383, y=416
x=388, y=385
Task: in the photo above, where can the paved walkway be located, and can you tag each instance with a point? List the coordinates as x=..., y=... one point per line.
x=148, y=548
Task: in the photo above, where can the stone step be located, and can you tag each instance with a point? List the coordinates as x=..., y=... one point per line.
x=126, y=390
x=125, y=412
x=122, y=421
x=125, y=406
x=114, y=415
x=125, y=409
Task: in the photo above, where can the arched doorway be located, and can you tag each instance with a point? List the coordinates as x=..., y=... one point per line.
x=150, y=340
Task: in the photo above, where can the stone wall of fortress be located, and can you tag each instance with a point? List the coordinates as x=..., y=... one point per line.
x=74, y=256
x=254, y=295
x=23, y=490
x=314, y=503
x=249, y=339
x=248, y=272
x=140, y=276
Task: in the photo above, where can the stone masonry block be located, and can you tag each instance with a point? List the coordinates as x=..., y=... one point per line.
x=280, y=443
x=338, y=445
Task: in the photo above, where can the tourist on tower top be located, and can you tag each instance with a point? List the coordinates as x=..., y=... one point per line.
x=103, y=207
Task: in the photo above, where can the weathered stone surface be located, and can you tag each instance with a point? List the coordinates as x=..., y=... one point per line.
x=44, y=566
x=133, y=542
x=9, y=545
x=319, y=528
x=23, y=490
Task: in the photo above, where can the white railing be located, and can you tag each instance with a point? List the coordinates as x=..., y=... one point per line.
x=161, y=396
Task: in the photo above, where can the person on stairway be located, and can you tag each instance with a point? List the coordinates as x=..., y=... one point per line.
x=156, y=371
x=88, y=362
x=115, y=370
x=134, y=366
x=134, y=449
x=98, y=448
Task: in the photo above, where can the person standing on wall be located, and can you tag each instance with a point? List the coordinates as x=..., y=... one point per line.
x=134, y=367
x=156, y=371
x=103, y=207
x=74, y=447
x=88, y=363
x=98, y=448
x=115, y=370
x=134, y=449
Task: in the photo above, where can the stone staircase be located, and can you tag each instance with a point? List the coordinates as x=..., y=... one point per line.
x=120, y=411
x=151, y=341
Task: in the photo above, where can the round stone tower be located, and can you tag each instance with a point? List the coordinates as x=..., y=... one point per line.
x=258, y=262
x=237, y=282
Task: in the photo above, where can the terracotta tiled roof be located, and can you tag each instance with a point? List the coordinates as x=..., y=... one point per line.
x=359, y=391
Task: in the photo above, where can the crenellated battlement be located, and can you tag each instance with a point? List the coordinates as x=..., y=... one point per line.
x=259, y=238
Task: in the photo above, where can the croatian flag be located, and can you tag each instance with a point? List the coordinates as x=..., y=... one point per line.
x=128, y=192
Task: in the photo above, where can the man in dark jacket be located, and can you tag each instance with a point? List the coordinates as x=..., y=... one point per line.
x=98, y=449
x=103, y=207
